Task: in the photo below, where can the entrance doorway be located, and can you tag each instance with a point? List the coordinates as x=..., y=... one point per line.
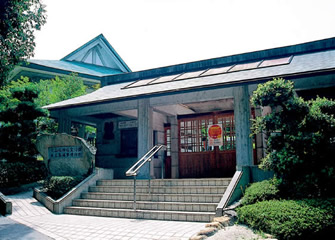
x=196, y=158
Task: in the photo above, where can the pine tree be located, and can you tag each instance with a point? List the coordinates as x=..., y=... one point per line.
x=18, y=118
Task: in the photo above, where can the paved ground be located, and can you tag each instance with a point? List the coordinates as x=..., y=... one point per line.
x=30, y=220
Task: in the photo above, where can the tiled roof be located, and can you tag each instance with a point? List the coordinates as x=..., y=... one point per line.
x=300, y=64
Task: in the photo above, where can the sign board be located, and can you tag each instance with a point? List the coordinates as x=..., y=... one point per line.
x=127, y=124
x=214, y=133
x=65, y=152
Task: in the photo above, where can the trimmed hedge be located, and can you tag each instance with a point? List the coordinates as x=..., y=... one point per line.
x=14, y=174
x=57, y=186
x=291, y=219
x=261, y=191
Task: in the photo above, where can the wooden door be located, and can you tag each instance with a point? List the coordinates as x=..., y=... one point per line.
x=196, y=158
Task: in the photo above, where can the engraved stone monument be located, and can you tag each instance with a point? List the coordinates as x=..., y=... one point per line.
x=66, y=155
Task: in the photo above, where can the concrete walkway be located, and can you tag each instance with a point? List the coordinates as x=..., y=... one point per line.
x=31, y=220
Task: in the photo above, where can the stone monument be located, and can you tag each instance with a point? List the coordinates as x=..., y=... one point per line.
x=66, y=155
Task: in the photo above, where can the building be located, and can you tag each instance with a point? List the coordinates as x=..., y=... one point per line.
x=175, y=105
x=92, y=61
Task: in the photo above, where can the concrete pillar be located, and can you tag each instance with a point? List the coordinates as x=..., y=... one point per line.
x=244, y=156
x=145, y=130
x=64, y=125
x=158, y=126
x=174, y=147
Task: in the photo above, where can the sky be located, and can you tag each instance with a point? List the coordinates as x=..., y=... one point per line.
x=154, y=33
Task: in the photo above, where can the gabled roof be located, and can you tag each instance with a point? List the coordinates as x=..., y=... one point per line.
x=98, y=52
x=92, y=61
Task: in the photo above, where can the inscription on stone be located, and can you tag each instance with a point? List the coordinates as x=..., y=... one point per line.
x=65, y=152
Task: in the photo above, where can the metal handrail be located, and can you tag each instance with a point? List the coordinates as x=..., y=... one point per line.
x=137, y=166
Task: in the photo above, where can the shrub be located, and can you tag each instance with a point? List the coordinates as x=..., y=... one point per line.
x=261, y=191
x=300, y=144
x=290, y=219
x=14, y=174
x=57, y=186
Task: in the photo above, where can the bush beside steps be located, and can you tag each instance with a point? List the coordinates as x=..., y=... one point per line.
x=262, y=209
x=58, y=186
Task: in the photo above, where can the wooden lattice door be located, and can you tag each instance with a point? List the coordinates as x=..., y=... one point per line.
x=196, y=158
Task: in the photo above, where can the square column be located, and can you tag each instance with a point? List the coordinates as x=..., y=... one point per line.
x=174, y=147
x=244, y=156
x=145, y=134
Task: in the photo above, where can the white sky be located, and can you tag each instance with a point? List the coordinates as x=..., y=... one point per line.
x=155, y=33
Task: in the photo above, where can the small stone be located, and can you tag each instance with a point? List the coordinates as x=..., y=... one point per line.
x=208, y=231
x=214, y=225
x=269, y=236
x=198, y=237
x=231, y=213
x=224, y=221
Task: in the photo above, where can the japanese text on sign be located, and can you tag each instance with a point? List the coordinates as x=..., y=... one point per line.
x=65, y=152
x=214, y=134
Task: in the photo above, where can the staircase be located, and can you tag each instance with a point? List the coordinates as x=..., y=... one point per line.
x=170, y=199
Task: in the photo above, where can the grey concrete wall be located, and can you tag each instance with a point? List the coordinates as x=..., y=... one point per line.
x=109, y=150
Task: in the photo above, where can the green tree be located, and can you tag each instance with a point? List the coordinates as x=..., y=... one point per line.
x=18, y=21
x=56, y=90
x=301, y=138
x=59, y=89
x=49, y=91
x=18, y=116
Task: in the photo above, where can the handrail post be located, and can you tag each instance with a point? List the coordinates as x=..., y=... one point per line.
x=134, y=205
x=136, y=167
x=150, y=176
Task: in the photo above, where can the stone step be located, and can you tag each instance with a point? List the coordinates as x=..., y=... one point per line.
x=161, y=206
x=167, y=182
x=142, y=214
x=160, y=190
x=198, y=198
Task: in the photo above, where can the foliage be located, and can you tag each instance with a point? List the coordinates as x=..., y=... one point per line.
x=261, y=191
x=56, y=90
x=18, y=21
x=13, y=174
x=57, y=186
x=301, y=145
x=59, y=89
x=49, y=91
x=291, y=219
x=18, y=116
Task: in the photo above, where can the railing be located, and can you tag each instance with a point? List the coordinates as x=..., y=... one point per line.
x=137, y=166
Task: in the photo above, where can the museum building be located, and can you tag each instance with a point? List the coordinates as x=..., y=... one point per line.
x=199, y=110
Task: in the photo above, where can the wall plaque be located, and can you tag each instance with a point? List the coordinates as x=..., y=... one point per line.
x=127, y=124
